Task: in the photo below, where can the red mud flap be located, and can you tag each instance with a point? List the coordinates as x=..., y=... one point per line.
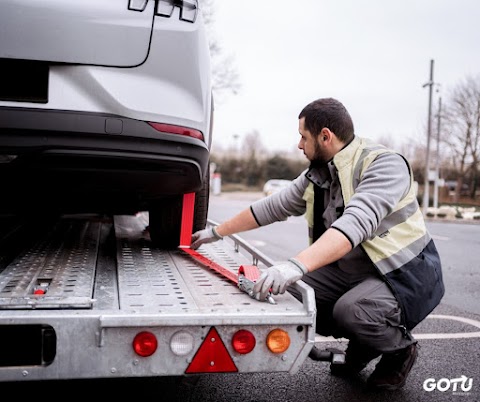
x=247, y=274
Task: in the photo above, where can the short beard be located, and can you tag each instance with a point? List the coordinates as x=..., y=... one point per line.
x=318, y=159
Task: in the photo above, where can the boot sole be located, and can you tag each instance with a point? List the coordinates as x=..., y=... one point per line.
x=393, y=387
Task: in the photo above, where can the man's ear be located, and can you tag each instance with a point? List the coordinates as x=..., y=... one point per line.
x=325, y=134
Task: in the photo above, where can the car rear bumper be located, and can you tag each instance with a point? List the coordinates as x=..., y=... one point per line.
x=112, y=161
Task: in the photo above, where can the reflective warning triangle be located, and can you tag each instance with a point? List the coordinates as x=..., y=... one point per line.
x=212, y=356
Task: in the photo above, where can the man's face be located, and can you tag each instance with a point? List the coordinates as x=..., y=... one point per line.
x=311, y=146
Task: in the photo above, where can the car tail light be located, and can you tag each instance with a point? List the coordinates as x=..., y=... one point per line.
x=145, y=344
x=278, y=341
x=172, y=129
x=243, y=341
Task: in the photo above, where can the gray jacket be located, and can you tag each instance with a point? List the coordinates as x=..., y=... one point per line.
x=384, y=183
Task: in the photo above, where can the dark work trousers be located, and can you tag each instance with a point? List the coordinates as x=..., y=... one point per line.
x=356, y=306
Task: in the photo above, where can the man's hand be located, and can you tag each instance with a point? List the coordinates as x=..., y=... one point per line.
x=208, y=235
x=278, y=277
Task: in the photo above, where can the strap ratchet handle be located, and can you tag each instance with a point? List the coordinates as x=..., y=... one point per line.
x=247, y=276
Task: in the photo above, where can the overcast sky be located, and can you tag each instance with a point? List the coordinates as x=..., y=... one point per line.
x=372, y=55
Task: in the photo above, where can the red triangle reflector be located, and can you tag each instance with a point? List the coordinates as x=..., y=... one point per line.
x=212, y=356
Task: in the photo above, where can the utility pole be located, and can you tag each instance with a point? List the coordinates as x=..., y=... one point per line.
x=437, y=161
x=429, y=132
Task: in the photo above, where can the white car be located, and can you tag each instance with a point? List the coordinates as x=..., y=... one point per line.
x=105, y=107
x=273, y=185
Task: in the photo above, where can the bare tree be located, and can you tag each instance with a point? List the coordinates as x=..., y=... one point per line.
x=387, y=141
x=252, y=145
x=463, y=125
x=253, y=151
x=225, y=77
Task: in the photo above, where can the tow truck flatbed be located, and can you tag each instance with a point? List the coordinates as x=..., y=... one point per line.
x=76, y=292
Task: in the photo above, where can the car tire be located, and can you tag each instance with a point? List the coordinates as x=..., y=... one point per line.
x=165, y=222
x=165, y=217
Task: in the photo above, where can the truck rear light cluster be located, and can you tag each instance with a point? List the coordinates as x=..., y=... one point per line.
x=182, y=343
x=278, y=341
x=243, y=341
x=172, y=129
x=145, y=344
x=212, y=355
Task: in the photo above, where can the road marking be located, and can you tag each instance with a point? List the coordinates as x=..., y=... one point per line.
x=456, y=335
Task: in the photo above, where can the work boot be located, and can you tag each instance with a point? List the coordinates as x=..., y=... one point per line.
x=392, y=370
x=356, y=359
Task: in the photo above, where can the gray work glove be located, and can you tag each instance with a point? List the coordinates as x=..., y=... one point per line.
x=208, y=235
x=278, y=277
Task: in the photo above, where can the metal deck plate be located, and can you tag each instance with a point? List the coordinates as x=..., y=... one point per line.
x=152, y=280
x=111, y=266
x=63, y=262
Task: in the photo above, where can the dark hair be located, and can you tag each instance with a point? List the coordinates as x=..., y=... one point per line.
x=329, y=113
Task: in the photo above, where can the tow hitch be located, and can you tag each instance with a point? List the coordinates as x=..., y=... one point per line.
x=332, y=355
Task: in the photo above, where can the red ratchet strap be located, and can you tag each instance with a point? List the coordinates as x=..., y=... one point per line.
x=247, y=274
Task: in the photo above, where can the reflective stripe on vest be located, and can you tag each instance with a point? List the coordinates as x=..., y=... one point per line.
x=402, y=235
x=309, y=197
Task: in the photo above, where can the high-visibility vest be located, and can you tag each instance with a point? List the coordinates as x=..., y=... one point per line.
x=401, y=249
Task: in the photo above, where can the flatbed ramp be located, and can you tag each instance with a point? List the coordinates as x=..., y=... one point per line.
x=84, y=287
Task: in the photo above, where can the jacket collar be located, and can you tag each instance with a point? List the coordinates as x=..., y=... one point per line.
x=345, y=156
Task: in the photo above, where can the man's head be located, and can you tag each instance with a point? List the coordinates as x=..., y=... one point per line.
x=325, y=126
